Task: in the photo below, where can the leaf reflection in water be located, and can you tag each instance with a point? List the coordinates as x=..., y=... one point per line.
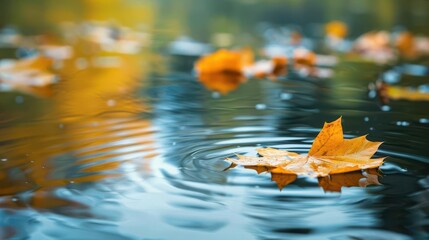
x=91, y=129
x=331, y=183
x=222, y=82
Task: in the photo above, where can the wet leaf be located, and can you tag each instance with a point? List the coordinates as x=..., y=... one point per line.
x=224, y=61
x=329, y=154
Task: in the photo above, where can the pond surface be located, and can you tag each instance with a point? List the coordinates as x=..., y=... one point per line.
x=133, y=147
x=115, y=157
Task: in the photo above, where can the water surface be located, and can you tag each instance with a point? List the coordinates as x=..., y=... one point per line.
x=137, y=152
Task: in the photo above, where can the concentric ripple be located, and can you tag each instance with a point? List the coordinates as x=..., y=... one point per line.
x=156, y=170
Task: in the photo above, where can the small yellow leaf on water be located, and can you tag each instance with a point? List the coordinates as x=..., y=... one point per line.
x=405, y=93
x=329, y=154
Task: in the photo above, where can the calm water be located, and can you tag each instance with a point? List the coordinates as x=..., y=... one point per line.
x=146, y=161
x=137, y=152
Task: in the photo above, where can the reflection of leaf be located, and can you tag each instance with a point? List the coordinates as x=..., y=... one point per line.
x=404, y=93
x=222, y=82
x=329, y=154
x=335, y=182
x=331, y=183
x=27, y=72
x=282, y=179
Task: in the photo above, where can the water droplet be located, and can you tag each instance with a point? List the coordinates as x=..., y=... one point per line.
x=371, y=129
x=385, y=108
x=19, y=99
x=61, y=125
x=71, y=182
x=4, y=159
x=15, y=199
x=286, y=96
x=366, y=119
x=174, y=144
x=260, y=106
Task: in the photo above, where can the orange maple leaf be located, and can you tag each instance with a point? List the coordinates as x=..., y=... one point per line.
x=329, y=154
x=224, y=61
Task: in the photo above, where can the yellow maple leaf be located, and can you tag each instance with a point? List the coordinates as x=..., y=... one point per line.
x=329, y=154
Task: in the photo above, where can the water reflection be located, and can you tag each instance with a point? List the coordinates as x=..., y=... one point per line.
x=93, y=130
x=222, y=82
x=331, y=183
x=119, y=150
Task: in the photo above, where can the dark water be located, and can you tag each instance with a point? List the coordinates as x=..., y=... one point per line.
x=137, y=151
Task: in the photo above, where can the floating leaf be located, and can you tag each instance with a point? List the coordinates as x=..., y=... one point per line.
x=224, y=61
x=329, y=154
x=405, y=42
x=304, y=56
